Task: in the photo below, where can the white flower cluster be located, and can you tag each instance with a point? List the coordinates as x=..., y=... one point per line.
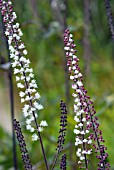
x=24, y=74
x=81, y=131
x=80, y=153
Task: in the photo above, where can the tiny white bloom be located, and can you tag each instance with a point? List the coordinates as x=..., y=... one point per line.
x=82, y=158
x=76, y=119
x=79, y=75
x=21, y=94
x=14, y=15
x=17, y=78
x=79, y=150
x=16, y=71
x=35, y=137
x=74, y=86
x=15, y=63
x=40, y=129
x=70, y=35
x=78, y=113
x=28, y=127
x=66, y=48
x=73, y=62
x=26, y=114
x=74, y=67
x=87, y=131
x=76, y=72
x=76, y=131
x=28, y=121
x=6, y=33
x=18, y=37
x=80, y=124
x=72, y=77
x=28, y=78
x=70, y=40
x=43, y=123
x=79, y=104
x=16, y=57
x=78, y=154
x=9, y=2
x=37, y=95
x=89, y=141
x=70, y=68
x=89, y=152
x=85, y=140
x=17, y=25
x=32, y=129
x=20, y=32
x=79, y=83
x=74, y=95
x=72, y=50
x=82, y=132
x=84, y=119
x=28, y=98
x=25, y=52
x=77, y=100
x=74, y=56
x=21, y=46
x=22, y=100
x=20, y=85
x=31, y=75
x=26, y=107
x=75, y=107
x=70, y=54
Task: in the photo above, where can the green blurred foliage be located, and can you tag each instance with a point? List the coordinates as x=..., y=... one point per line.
x=42, y=37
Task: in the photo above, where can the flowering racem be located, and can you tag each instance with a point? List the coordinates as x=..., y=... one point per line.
x=63, y=123
x=24, y=152
x=84, y=111
x=24, y=74
x=63, y=164
x=62, y=131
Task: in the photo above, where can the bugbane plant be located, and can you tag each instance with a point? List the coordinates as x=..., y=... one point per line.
x=22, y=70
x=87, y=126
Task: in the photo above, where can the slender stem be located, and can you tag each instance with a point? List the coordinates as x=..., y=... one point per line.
x=55, y=160
x=12, y=117
x=11, y=103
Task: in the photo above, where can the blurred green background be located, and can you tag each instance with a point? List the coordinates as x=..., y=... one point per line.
x=42, y=23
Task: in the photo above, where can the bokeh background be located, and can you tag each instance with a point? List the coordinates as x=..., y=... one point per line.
x=42, y=23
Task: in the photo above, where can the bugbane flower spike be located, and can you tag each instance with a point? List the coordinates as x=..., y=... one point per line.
x=22, y=145
x=63, y=164
x=21, y=67
x=63, y=123
x=62, y=131
x=110, y=17
x=85, y=112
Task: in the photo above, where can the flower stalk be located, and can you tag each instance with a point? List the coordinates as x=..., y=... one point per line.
x=62, y=132
x=110, y=17
x=85, y=112
x=24, y=74
x=63, y=164
x=22, y=144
